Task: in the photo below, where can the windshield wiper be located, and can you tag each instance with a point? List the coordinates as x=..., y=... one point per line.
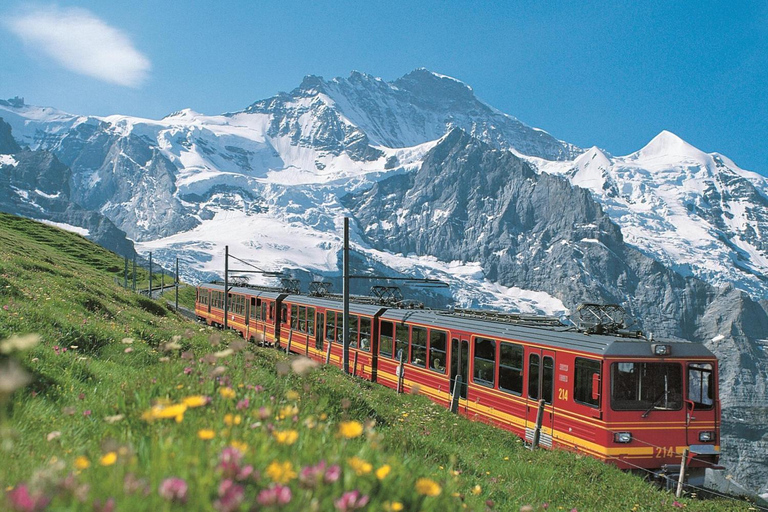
x=662, y=397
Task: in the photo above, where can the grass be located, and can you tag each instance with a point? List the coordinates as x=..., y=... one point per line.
x=101, y=425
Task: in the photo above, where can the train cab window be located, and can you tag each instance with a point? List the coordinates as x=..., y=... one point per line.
x=485, y=362
x=401, y=341
x=701, y=385
x=386, y=338
x=646, y=387
x=311, y=321
x=533, y=376
x=584, y=375
x=284, y=313
x=511, y=368
x=294, y=317
x=437, y=348
x=330, y=327
x=419, y=346
x=365, y=334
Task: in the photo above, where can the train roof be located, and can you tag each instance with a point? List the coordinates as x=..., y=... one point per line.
x=246, y=290
x=362, y=309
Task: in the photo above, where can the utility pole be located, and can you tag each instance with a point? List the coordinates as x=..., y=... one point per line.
x=125, y=274
x=134, y=272
x=177, y=284
x=150, y=275
x=226, y=284
x=345, y=329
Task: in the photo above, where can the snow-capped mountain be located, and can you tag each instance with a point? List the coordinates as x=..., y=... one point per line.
x=441, y=185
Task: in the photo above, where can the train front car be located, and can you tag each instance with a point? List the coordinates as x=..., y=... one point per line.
x=662, y=398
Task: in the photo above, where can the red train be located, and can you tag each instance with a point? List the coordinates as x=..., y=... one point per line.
x=625, y=400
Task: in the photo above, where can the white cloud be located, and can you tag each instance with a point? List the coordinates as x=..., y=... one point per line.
x=82, y=43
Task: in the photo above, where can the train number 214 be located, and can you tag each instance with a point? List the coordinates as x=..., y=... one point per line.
x=663, y=452
x=562, y=394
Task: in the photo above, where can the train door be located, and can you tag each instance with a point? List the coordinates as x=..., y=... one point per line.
x=700, y=407
x=460, y=366
x=320, y=331
x=541, y=385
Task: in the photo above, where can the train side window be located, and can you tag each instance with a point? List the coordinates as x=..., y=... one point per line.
x=584, y=372
x=387, y=339
x=330, y=327
x=533, y=376
x=294, y=317
x=548, y=380
x=401, y=341
x=252, y=314
x=311, y=321
x=302, y=318
x=701, y=385
x=354, y=322
x=271, y=311
x=437, y=347
x=484, y=367
x=511, y=368
x=365, y=334
x=284, y=313
x=419, y=346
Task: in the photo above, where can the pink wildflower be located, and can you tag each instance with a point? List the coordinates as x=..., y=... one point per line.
x=333, y=474
x=229, y=461
x=276, y=495
x=242, y=404
x=107, y=506
x=351, y=500
x=310, y=476
x=230, y=496
x=87, y=412
x=187, y=370
x=22, y=501
x=174, y=489
x=677, y=504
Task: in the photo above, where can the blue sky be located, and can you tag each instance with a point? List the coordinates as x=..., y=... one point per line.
x=611, y=74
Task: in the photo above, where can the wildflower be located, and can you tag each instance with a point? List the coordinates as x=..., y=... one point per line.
x=333, y=474
x=351, y=500
x=285, y=436
x=264, y=413
x=187, y=355
x=428, y=487
x=170, y=345
x=107, y=506
x=677, y=504
x=281, y=472
x=302, y=365
x=350, y=429
x=288, y=412
x=230, y=496
x=53, y=435
x=127, y=341
x=19, y=343
x=205, y=434
x=21, y=499
x=239, y=445
x=87, y=412
x=292, y=395
x=223, y=353
x=227, y=392
x=195, y=401
x=383, y=471
x=477, y=490
x=161, y=411
x=309, y=476
x=128, y=350
x=82, y=462
x=230, y=419
x=359, y=466
x=173, y=489
x=229, y=461
x=242, y=404
x=114, y=419
x=237, y=345
x=108, y=459
x=276, y=495
x=395, y=506
x=12, y=377
x=187, y=370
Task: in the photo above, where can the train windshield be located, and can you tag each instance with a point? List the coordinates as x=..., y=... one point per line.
x=646, y=387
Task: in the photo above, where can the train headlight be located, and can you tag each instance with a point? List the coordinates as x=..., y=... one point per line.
x=661, y=350
x=707, y=436
x=622, y=437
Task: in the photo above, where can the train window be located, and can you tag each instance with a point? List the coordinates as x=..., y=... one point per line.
x=485, y=362
x=302, y=319
x=271, y=311
x=646, y=386
x=263, y=309
x=533, y=376
x=294, y=316
x=354, y=320
x=311, y=321
x=386, y=339
x=330, y=327
x=701, y=385
x=419, y=346
x=548, y=379
x=252, y=314
x=401, y=341
x=584, y=372
x=511, y=368
x=437, y=342
x=365, y=334
x=284, y=313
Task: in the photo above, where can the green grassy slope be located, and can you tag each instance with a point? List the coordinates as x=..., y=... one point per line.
x=103, y=423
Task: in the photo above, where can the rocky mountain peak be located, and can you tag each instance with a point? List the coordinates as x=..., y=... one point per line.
x=8, y=145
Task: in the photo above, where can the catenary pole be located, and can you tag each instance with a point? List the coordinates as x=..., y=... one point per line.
x=177, y=284
x=345, y=323
x=150, y=275
x=226, y=284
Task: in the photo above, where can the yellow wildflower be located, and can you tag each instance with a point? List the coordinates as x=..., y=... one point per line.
x=108, y=459
x=359, y=466
x=395, y=506
x=428, y=487
x=383, y=471
x=239, y=446
x=206, y=434
x=161, y=411
x=227, y=392
x=477, y=490
x=194, y=401
x=82, y=462
x=230, y=419
x=288, y=411
x=285, y=436
x=291, y=395
x=350, y=429
x=281, y=472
